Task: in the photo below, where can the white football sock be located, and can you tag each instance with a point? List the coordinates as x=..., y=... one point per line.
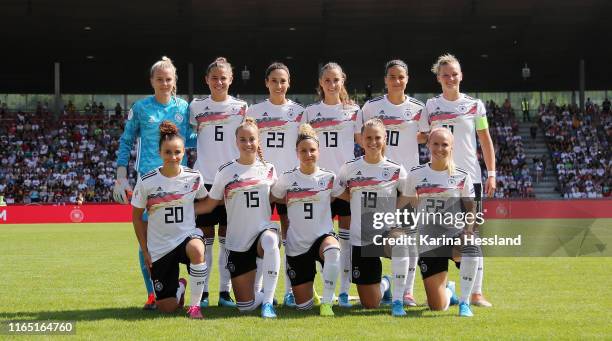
x=208, y=257
x=412, y=263
x=467, y=272
x=225, y=279
x=287, y=280
x=306, y=305
x=271, y=264
x=197, y=277
x=384, y=286
x=180, y=291
x=479, y=277
x=345, y=260
x=399, y=267
x=331, y=269
x=258, y=275
x=250, y=305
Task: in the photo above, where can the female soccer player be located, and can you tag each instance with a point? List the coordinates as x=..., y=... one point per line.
x=170, y=236
x=400, y=114
x=244, y=185
x=465, y=117
x=334, y=120
x=143, y=125
x=215, y=119
x=373, y=181
x=308, y=191
x=278, y=120
x=440, y=187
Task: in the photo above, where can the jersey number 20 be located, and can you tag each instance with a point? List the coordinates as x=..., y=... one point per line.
x=173, y=215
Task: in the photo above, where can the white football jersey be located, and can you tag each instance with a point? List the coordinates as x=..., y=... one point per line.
x=278, y=130
x=216, y=124
x=401, y=122
x=246, y=192
x=459, y=116
x=373, y=188
x=308, y=199
x=438, y=192
x=169, y=204
x=336, y=128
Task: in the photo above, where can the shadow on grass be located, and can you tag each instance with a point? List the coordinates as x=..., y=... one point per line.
x=211, y=313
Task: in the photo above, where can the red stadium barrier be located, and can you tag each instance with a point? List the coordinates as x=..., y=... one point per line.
x=494, y=209
x=548, y=209
x=34, y=214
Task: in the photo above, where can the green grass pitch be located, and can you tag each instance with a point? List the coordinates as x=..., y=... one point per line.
x=89, y=273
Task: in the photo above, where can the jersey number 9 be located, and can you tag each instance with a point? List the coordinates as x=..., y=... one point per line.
x=307, y=210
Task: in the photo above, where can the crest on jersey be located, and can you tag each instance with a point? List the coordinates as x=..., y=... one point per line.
x=462, y=108
x=178, y=117
x=452, y=181
x=130, y=115
x=386, y=174
x=290, y=113
x=322, y=183
x=152, y=119
x=186, y=186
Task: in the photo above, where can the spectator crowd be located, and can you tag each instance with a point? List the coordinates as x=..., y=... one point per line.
x=71, y=159
x=579, y=143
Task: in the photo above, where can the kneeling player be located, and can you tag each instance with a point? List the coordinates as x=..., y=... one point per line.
x=308, y=190
x=244, y=184
x=441, y=188
x=373, y=181
x=170, y=236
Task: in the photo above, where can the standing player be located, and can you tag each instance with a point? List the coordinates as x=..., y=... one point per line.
x=465, y=117
x=143, y=126
x=170, y=236
x=334, y=120
x=400, y=114
x=373, y=182
x=244, y=185
x=216, y=117
x=440, y=187
x=278, y=120
x=308, y=191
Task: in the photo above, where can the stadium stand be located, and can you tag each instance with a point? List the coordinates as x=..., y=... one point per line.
x=72, y=159
x=579, y=144
x=46, y=160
